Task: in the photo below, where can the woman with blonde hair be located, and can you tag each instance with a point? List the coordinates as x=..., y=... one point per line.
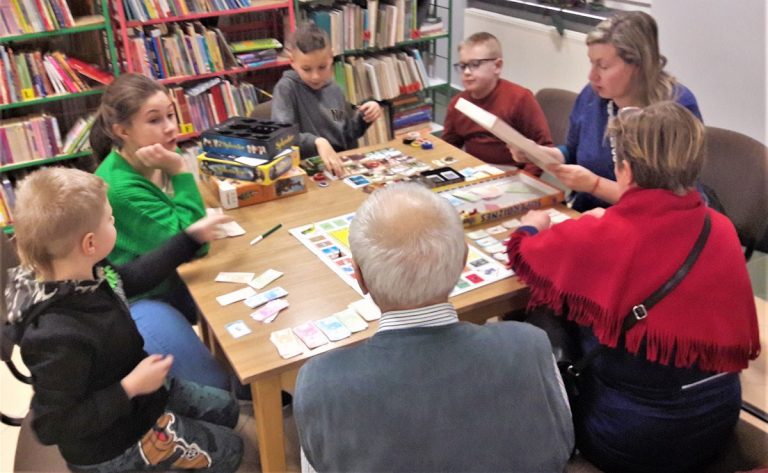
x=662, y=394
x=627, y=71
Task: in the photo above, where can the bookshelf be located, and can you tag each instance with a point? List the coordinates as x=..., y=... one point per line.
x=187, y=44
x=45, y=101
x=404, y=46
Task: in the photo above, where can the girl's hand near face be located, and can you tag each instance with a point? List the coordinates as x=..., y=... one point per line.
x=156, y=156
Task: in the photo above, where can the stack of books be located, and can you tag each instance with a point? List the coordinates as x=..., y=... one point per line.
x=171, y=50
x=212, y=102
x=411, y=112
x=32, y=75
x=256, y=52
x=143, y=10
x=32, y=16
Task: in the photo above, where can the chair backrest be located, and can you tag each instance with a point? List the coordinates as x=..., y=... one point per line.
x=736, y=168
x=263, y=110
x=557, y=105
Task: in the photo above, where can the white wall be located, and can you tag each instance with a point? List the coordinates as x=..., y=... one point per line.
x=535, y=55
x=718, y=49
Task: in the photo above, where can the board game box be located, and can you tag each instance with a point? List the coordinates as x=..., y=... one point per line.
x=249, y=137
x=499, y=197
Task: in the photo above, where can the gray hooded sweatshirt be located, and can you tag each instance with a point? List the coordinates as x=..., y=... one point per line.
x=318, y=113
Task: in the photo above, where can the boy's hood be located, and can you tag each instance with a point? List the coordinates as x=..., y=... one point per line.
x=25, y=294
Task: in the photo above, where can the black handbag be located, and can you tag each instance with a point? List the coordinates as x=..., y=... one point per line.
x=564, y=338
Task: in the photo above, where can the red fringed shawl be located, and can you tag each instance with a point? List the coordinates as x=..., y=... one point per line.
x=600, y=268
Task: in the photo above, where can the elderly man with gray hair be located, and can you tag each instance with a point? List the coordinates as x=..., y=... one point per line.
x=427, y=392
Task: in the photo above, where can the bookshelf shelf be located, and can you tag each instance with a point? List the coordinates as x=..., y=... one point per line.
x=400, y=44
x=47, y=34
x=51, y=98
x=39, y=162
x=227, y=72
x=261, y=6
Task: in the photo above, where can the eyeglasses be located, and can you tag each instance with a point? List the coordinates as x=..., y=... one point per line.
x=472, y=65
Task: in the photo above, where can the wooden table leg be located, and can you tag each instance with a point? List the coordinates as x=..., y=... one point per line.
x=268, y=410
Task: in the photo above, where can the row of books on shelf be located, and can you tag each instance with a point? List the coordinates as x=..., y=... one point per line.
x=39, y=137
x=381, y=76
x=30, y=75
x=378, y=25
x=32, y=16
x=143, y=10
x=211, y=102
x=185, y=49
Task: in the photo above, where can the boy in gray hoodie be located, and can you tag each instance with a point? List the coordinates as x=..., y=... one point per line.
x=308, y=97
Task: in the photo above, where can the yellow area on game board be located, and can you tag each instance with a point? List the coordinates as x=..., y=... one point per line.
x=341, y=235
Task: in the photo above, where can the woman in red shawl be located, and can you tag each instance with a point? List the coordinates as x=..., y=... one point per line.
x=667, y=396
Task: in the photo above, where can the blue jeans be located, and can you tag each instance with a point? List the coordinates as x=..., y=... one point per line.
x=167, y=331
x=194, y=433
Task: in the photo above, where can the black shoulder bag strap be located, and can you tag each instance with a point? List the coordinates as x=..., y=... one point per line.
x=640, y=311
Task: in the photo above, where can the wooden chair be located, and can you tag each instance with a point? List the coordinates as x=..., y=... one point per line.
x=557, y=105
x=736, y=168
x=31, y=455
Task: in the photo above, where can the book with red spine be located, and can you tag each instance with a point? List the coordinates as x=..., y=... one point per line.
x=90, y=71
x=43, y=13
x=218, y=102
x=69, y=84
x=62, y=60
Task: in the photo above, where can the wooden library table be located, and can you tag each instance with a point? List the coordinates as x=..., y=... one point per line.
x=314, y=291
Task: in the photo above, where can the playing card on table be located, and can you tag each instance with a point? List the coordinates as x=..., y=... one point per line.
x=232, y=229
x=488, y=241
x=497, y=248
x=270, y=310
x=265, y=278
x=511, y=223
x=497, y=229
x=237, y=329
x=286, y=342
x=264, y=297
x=466, y=195
x=367, y=309
x=351, y=320
x=477, y=234
x=242, y=278
x=235, y=296
x=310, y=335
x=333, y=328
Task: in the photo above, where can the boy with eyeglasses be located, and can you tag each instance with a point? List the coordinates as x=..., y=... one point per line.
x=480, y=69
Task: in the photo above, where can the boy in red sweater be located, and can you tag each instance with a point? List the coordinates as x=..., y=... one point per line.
x=480, y=69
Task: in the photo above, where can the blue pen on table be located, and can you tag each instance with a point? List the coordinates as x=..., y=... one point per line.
x=265, y=235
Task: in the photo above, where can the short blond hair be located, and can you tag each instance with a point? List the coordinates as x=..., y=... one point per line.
x=663, y=144
x=486, y=39
x=55, y=207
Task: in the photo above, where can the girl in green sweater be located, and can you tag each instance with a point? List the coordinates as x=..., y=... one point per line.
x=154, y=197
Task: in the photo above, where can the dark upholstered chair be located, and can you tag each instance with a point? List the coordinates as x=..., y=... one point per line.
x=31, y=455
x=736, y=168
x=557, y=105
x=263, y=110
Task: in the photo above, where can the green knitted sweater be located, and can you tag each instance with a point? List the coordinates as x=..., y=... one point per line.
x=145, y=216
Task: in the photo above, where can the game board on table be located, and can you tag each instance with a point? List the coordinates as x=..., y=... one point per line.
x=329, y=241
x=499, y=197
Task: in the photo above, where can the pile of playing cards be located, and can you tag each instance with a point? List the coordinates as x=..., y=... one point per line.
x=317, y=333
